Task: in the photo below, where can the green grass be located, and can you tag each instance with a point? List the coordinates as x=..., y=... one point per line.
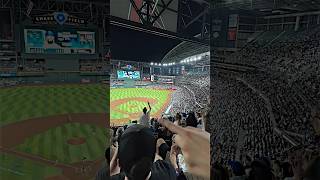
x=136, y=106
x=117, y=115
x=22, y=103
x=132, y=106
x=53, y=143
x=14, y=168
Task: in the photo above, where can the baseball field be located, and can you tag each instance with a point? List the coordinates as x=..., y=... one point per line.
x=126, y=104
x=59, y=131
x=53, y=132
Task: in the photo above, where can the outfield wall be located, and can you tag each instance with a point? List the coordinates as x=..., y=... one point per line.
x=54, y=78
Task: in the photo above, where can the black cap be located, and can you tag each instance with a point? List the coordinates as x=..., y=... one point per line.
x=136, y=144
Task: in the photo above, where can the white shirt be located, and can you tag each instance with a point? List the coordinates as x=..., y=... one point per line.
x=145, y=119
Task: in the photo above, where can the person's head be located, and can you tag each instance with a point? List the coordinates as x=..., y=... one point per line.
x=199, y=115
x=237, y=168
x=312, y=172
x=260, y=170
x=191, y=120
x=178, y=117
x=137, y=148
x=144, y=110
x=219, y=172
x=119, y=133
x=286, y=170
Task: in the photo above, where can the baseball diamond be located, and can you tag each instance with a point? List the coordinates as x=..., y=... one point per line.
x=54, y=142
x=126, y=104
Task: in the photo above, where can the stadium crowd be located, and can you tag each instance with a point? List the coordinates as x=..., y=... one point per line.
x=192, y=93
x=265, y=124
x=163, y=148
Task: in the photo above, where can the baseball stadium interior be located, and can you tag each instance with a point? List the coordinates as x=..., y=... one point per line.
x=159, y=89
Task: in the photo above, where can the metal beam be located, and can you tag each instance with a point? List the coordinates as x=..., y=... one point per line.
x=137, y=11
x=163, y=6
x=203, y=13
x=292, y=15
x=153, y=30
x=204, y=18
x=161, y=12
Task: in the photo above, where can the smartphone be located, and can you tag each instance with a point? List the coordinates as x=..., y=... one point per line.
x=182, y=163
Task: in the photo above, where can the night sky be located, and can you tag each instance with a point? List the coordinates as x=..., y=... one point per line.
x=133, y=45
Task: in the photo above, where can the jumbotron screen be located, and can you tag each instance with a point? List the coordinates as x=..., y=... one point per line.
x=128, y=74
x=42, y=41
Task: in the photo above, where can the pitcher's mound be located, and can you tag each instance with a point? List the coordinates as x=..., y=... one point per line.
x=76, y=141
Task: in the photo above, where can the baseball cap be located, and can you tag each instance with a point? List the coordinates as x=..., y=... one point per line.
x=136, y=153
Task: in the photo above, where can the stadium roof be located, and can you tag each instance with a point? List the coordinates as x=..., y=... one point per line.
x=184, y=50
x=270, y=6
x=133, y=45
x=138, y=41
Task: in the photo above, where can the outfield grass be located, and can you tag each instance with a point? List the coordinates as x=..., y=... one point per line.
x=14, y=168
x=136, y=106
x=53, y=143
x=22, y=103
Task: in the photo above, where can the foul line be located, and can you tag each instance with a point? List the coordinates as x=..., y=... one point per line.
x=12, y=171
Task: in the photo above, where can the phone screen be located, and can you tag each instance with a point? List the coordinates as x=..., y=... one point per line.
x=181, y=163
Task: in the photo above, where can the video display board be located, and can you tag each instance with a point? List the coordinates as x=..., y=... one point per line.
x=128, y=74
x=42, y=41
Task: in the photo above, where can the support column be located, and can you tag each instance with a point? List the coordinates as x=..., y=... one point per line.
x=296, y=27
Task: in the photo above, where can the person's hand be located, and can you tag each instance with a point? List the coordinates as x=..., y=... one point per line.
x=173, y=156
x=114, y=166
x=195, y=146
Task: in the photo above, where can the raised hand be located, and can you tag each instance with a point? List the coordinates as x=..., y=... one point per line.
x=195, y=146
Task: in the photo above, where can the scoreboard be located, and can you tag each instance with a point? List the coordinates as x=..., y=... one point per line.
x=40, y=41
x=128, y=74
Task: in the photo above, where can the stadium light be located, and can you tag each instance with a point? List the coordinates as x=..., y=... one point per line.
x=151, y=64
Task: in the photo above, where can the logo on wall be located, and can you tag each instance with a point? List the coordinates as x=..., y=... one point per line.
x=60, y=18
